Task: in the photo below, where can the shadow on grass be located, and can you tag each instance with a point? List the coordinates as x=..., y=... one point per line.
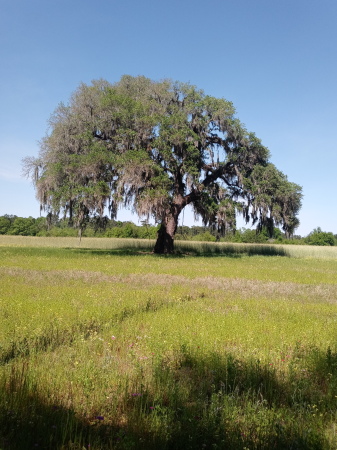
x=222, y=249
x=185, y=250
x=199, y=402
x=36, y=423
x=136, y=248
x=227, y=403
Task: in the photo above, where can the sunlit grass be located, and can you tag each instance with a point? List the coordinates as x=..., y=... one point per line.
x=214, y=248
x=119, y=348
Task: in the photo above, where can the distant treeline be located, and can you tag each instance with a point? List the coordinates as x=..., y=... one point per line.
x=105, y=227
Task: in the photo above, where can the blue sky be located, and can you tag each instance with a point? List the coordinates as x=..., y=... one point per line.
x=276, y=60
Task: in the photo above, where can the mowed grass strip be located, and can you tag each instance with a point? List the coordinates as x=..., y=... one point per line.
x=118, y=350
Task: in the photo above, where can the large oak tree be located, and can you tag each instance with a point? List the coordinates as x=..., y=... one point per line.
x=158, y=147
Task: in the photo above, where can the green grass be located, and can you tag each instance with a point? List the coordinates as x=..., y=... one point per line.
x=112, y=347
x=184, y=247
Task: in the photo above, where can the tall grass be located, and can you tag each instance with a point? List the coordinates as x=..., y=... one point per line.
x=75, y=242
x=112, y=348
x=196, y=248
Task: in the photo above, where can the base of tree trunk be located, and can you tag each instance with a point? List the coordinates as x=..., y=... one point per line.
x=165, y=242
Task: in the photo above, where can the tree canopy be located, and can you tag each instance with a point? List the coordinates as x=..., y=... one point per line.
x=158, y=146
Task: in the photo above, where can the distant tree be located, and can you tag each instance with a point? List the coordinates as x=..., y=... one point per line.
x=158, y=147
x=5, y=224
x=24, y=226
x=319, y=237
x=204, y=237
x=249, y=236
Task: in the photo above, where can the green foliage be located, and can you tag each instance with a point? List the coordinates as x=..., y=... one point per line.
x=158, y=147
x=319, y=237
x=251, y=236
x=60, y=232
x=24, y=226
x=5, y=224
x=204, y=237
x=130, y=230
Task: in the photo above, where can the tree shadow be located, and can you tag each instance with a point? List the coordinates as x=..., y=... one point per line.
x=202, y=401
x=124, y=252
x=227, y=403
x=42, y=425
x=183, y=251
x=31, y=420
x=230, y=250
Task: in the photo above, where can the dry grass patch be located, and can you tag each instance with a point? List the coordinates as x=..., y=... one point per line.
x=203, y=286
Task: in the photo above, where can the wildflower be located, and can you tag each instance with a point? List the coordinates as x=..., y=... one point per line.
x=100, y=418
x=113, y=337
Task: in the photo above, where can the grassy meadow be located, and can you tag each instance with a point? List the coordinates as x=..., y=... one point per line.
x=104, y=345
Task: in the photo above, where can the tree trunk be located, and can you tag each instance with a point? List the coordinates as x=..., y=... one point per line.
x=169, y=224
x=166, y=232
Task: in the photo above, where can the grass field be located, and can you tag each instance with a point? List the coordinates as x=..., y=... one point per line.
x=104, y=345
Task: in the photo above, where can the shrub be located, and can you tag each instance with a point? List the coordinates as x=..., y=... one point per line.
x=204, y=237
x=319, y=237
